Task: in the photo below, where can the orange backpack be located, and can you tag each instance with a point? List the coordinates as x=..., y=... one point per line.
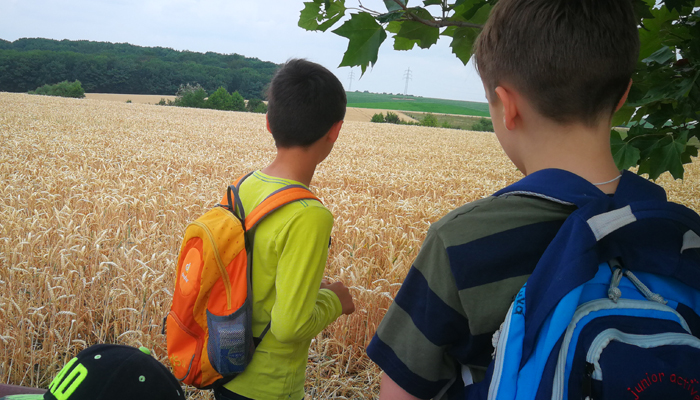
x=209, y=327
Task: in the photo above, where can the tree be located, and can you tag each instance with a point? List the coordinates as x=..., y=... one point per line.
x=429, y=120
x=190, y=96
x=237, y=102
x=256, y=106
x=219, y=100
x=392, y=118
x=663, y=108
x=62, y=89
x=378, y=117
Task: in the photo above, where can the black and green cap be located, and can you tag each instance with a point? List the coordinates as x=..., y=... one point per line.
x=111, y=372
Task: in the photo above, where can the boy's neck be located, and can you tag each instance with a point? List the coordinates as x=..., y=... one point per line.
x=577, y=148
x=294, y=163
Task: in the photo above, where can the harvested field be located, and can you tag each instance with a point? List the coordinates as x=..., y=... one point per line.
x=135, y=98
x=95, y=195
x=365, y=114
x=353, y=114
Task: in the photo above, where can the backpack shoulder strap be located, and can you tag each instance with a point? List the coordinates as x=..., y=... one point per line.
x=636, y=225
x=275, y=200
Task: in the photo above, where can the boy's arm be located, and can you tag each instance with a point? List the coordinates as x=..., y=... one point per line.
x=301, y=308
x=425, y=321
x=390, y=390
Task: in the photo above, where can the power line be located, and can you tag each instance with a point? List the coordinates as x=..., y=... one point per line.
x=407, y=76
x=351, y=76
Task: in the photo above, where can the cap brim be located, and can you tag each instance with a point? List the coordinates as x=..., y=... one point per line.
x=23, y=397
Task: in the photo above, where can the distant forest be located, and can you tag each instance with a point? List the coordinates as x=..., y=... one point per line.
x=101, y=67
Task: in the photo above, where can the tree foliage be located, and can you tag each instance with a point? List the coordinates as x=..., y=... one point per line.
x=378, y=117
x=237, y=102
x=190, y=96
x=123, y=68
x=429, y=120
x=663, y=109
x=392, y=118
x=256, y=106
x=62, y=89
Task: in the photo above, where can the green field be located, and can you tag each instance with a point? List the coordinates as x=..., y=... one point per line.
x=417, y=104
x=455, y=121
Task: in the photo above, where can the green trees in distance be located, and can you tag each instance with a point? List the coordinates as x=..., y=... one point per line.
x=62, y=89
x=663, y=107
x=256, y=106
x=26, y=64
x=392, y=118
x=432, y=120
x=237, y=102
x=429, y=120
x=189, y=95
x=378, y=117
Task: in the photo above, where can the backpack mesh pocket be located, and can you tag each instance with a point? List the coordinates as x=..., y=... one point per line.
x=230, y=345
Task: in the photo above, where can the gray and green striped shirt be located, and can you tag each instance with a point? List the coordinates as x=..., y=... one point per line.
x=457, y=293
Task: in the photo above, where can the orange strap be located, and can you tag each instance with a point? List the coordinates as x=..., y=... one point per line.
x=276, y=200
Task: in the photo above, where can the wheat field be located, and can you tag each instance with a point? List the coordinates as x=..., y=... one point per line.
x=94, y=198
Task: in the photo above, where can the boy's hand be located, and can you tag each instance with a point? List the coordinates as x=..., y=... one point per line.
x=343, y=294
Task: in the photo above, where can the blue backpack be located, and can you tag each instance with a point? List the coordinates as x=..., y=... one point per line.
x=612, y=308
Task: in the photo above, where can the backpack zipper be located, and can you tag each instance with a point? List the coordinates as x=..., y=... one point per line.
x=500, y=355
x=643, y=341
x=593, y=306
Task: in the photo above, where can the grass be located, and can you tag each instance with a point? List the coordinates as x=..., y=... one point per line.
x=417, y=104
x=455, y=121
x=95, y=196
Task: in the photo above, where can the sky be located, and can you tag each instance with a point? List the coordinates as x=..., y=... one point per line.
x=265, y=29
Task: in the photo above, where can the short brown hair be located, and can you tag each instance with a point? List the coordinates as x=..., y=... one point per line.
x=304, y=100
x=572, y=59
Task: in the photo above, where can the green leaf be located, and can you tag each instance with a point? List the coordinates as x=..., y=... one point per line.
x=694, y=142
x=425, y=36
x=462, y=42
x=312, y=14
x=309, y=16
x=691, y=149
x=624, y=154
x=392, y=5
x=667, y=158
x=432, y=2
x=334, y=12
x=623, y=115
x=474, y=12
x=678, y=4
x=685, y=86
x=650, y=35
x=642, y=9
x=661, y=56
x=365, y=36
x=388, y=17
x=401, y=43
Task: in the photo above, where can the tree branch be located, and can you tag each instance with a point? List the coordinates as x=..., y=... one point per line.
x=441, y=23
x=437, y=23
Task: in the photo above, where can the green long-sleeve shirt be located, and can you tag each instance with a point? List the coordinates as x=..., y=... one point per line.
x=289, y=257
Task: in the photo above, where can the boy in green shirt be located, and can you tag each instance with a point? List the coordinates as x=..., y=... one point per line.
x=306, y=107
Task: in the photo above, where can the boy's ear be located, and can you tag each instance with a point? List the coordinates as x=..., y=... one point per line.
x=334, y=131
x=267, y=122
x=623, y=99
x=510, y=108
